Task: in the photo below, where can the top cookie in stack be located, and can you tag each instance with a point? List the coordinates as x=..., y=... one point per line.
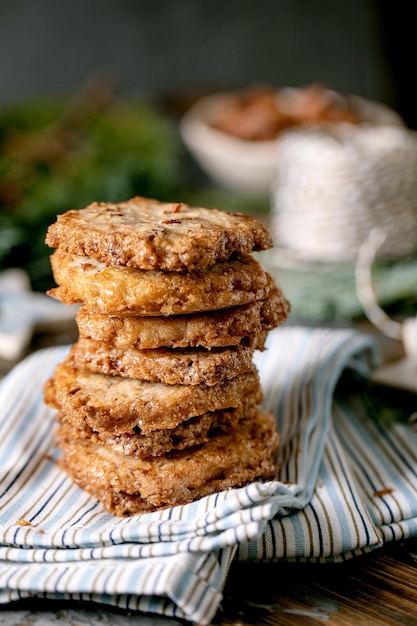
x=152, y=235
x=159, y=399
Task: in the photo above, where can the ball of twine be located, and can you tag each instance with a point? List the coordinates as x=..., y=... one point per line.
x=334, y=186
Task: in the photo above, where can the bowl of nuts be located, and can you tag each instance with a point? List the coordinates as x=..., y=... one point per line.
x=233, y=135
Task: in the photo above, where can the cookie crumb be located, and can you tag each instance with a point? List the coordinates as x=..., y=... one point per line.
x=23, y=522
x=383, y=492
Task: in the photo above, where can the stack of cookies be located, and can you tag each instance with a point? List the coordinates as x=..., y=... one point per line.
x=158, y=402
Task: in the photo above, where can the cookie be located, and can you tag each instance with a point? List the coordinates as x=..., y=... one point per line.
x=246, y=324
x=126, y=486
x=125, y=290
x=149, y=234
x=194, y=432
x=118, y=405
x=182, y=366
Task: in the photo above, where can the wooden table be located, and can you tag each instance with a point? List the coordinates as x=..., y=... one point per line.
x=377, y=589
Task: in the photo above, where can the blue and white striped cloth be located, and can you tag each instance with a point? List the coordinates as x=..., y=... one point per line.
x=346, y=484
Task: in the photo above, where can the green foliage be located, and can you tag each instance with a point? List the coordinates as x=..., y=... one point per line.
x=56, y=156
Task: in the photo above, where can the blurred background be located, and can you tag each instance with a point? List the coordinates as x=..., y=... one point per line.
x=157, y=46
x=92, y=93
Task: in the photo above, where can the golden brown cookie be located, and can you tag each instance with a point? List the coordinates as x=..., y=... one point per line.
x=178, y=366
x=126, y=290
x=149, y=234
x=126, y=486
x=246, y=324
x=117, y=404
x=191, y=433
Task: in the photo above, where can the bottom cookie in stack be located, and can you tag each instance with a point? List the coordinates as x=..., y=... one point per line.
x=233, y=455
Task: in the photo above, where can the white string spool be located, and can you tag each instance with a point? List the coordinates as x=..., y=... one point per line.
x=333, y=187
x=401, y=373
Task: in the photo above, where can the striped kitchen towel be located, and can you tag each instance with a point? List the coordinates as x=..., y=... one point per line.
x=346, y=483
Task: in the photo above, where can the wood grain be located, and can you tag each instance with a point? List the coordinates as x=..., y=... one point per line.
x=379, y=589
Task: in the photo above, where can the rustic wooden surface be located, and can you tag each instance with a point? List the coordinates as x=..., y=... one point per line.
x=377, y=589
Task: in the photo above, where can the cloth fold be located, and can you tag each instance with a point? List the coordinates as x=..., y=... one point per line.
x=346, y=483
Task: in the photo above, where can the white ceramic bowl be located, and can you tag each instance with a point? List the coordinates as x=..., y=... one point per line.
x=247, y=167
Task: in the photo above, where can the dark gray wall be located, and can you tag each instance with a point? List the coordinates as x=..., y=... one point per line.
x=53, y=46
